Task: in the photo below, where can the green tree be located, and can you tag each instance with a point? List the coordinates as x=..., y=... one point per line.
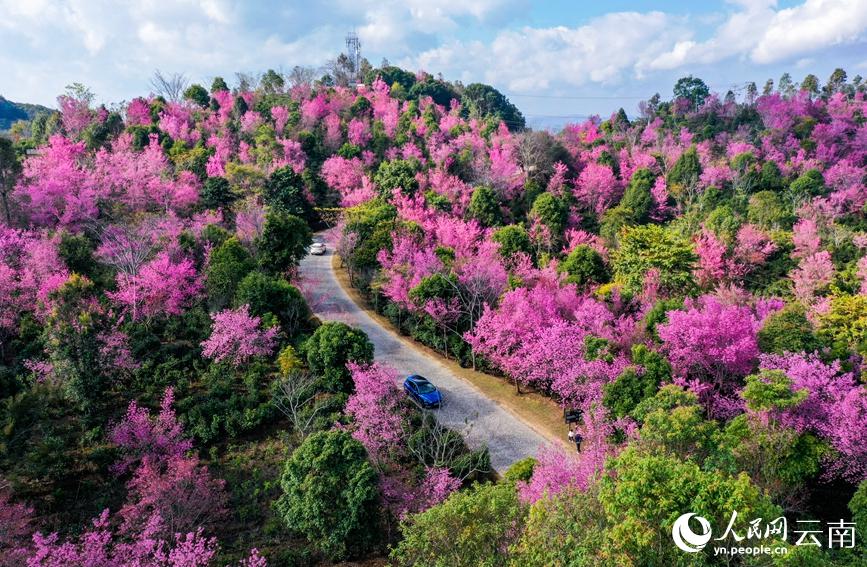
x=612, y=223
x=240, y=107
x=10, y=169
x=788, y=330
x=647, y=247
x=330, y=494
x=283, y=242
x=778, y=459
x=584, y=266
x=811, y=183
x=330, y=347
x=484, y=101
x=197, y=95
x=485, y=207
x=844, y=326
x=389, y=74
x=724, y=222
x=551, y=212
x=650, y=491
x=692, y=89
x=636, y=384
x=76, y=251
x=440, y=91
x=565, y=529
x=810, y=85
x=392, y=174
x=229, y=264
x=520, y=470
x=369, y=225
x=272, y=82
x=219, y=84
x=771, y=390
x=470, y=528
x=72, y=342
x=284, y=191
x=770, y=178
x=685, y=173
x=766, y=210
x=858, y=507
x=673, y=423
x=266, y=294
x=512, y=239
x=836, y=82
x=216, y=193
x=637, y=198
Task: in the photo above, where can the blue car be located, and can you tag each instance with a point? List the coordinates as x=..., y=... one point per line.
x=422, y=391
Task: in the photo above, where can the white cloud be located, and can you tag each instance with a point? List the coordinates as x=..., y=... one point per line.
x=113, y=47
x=605, y=50
x=735, y=36
x=815, y=24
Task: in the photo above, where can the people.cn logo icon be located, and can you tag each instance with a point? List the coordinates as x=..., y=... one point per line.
x=685, y=538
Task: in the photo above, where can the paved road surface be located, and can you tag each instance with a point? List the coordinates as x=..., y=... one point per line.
x=508, y=438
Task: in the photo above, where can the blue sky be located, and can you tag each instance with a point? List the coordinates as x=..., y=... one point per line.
x=556, y=58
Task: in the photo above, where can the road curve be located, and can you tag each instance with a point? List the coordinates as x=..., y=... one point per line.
x=465, y=408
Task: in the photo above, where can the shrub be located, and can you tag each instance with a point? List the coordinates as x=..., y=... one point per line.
x=584, y=266
x=330, y=495
x=647, y=247
x=521, y=470
x=266, y=294
x=283, y=242
x=284, y=192
x=332, y=345
x=470, y=528
x=485, y=207
x=229, y=264
x=513, y=239
x=787, y=330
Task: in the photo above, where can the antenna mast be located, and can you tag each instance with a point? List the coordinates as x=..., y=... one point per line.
x=353, y=51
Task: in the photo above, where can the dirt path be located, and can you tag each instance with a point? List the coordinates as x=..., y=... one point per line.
x=466, y=408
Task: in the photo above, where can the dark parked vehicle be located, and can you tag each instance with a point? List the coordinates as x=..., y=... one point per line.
x=422, y=391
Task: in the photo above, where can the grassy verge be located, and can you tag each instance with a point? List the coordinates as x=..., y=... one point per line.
x=541, y=413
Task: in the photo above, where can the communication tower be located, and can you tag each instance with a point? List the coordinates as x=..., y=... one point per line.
x=353, y=51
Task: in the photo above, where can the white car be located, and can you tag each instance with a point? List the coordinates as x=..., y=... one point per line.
x=317, y=248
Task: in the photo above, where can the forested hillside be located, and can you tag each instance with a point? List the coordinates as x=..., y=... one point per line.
x=692, y=279
x=12, y=112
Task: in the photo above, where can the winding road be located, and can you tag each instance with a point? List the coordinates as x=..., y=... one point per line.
x=465, y=408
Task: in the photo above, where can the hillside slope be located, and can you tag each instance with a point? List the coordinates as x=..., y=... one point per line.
x=11, y=112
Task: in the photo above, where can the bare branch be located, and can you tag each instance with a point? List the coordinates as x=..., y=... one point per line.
x=301, y=75
x=440, y=446
x=296, y=400
x=170, y=87
x=125, y=250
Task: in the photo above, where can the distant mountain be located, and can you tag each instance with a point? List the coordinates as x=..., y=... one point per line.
x=11, y=112
x=554, y=123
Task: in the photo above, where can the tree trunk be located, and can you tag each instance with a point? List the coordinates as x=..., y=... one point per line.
x=6, y=208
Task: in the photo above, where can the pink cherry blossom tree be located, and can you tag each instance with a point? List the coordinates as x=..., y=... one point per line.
x=144, y=437
x=236, y=337
x=57, y=188
x=597, y=188
x=378, y=409
x=161, y=286
x=835, y=408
